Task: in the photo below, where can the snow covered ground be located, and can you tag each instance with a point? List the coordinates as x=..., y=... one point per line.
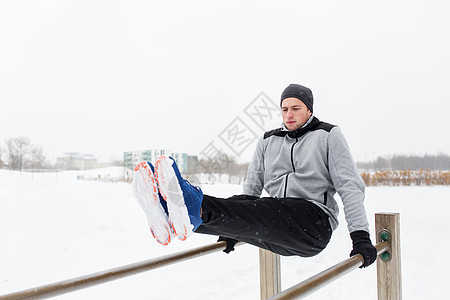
x=55, y=227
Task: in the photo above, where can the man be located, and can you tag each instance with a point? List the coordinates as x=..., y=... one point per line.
x=301, y=166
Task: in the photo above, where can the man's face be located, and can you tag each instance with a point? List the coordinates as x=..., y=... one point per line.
x=295, y=113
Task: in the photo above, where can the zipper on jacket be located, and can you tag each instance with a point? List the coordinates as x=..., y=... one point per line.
x=285, y=185
x=293, y=167
x=292, y=155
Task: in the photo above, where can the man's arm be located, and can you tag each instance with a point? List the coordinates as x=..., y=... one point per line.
x=350, y=186
x=347, y=181
x=254, y=182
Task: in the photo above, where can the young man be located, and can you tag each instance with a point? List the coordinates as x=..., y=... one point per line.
x=301, y=166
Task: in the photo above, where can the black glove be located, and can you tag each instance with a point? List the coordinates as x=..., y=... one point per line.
x=230, y=243
x=363, y=246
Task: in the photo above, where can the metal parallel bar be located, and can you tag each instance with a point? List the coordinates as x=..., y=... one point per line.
x=316, y=282
x=86, y=281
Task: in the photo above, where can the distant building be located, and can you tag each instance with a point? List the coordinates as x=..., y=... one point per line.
x=76, y=161
x=132, y=158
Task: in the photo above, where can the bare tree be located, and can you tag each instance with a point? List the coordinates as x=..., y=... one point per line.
x=238, y=171
x=37, y=158
x=2, y=164
x=17, y=149
x=412, y=162
x=222, y=164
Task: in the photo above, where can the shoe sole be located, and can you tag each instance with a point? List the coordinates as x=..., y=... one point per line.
x=171, y=191
x=145, y=190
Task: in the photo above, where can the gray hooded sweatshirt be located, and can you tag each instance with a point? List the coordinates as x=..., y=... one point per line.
x=313, y=163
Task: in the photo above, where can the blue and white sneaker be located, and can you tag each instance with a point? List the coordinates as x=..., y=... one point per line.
x=184, y=201
x=145, y=189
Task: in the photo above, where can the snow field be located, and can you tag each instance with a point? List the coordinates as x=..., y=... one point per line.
x=55, y=227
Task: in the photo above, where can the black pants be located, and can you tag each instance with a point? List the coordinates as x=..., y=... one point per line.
x=286, y=226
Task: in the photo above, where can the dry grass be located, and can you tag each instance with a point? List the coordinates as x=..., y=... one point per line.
x=407, y=177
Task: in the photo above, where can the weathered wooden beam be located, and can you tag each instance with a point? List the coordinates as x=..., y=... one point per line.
x=270, y=274
x=389, y=272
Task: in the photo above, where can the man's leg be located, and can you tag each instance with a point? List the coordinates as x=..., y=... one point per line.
x=288, y=226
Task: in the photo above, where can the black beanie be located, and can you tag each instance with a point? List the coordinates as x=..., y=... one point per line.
x=300, y=92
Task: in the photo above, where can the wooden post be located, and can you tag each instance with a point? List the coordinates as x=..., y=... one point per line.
x=269, y=274
x=387, y=227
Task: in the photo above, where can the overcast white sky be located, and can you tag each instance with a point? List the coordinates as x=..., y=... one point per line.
x=104, y=77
